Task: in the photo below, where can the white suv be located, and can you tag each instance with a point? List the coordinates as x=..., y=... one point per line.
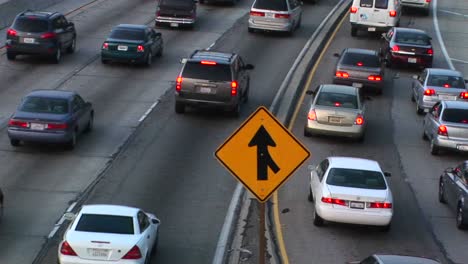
x=374, y=15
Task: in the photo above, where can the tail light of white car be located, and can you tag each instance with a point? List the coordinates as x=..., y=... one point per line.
x=256, y=13
x=66, y=249
x=392, y=13
x=330, y=200
x=379, y=205
x=464, y=95
x=134, y=253
x=353, y=9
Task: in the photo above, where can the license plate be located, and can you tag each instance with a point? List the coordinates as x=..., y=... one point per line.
x=35, y=126
x=205, y=90
x=462, y=147
x=447, y=97
x=334, y=119
x=174, y=24
x=29, y=40
x=122, y=48
x=357, y=85
x=426, y=110
x=357, y=205
x=412, y=60
x=371, y=29
x=269, y=15
x=98, y=252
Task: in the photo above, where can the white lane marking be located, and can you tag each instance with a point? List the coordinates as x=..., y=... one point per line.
x=453, y=13
x=143, y=117
x=70, y=208
x=462, y=61
x=439, y=36
x=52, y=233
x=212, y=44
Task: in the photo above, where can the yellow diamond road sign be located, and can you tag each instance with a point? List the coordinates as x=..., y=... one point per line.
x=262, y=154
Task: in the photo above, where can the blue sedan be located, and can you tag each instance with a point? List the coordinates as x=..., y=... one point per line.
x=50, y=116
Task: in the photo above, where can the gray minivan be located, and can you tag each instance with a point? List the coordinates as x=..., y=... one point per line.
x=275, y=15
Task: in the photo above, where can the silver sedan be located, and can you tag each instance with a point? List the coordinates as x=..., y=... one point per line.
x=446, y=126
x=434, y=85
x=336, y=110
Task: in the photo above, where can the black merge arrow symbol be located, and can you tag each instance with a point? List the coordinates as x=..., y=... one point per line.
x=262, y=140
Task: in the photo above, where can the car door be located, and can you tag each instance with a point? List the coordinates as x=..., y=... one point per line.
x=147, y=232
x=461, y=185
x=419, y=84
x=317, y=177
x=58, y=29
x=295, y=10
x=157, y=38
x=385, y=46
x=69, y=29
x=450, y=185
x=431, y=121
x=241, y=74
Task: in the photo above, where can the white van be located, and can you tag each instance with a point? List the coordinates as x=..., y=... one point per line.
x=374, y=15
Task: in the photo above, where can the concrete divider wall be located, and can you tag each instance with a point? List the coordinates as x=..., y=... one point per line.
x=10, y=8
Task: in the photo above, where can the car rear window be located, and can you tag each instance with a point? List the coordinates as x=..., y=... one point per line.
x=356, y=178
x=276, y=5
x=455, y=115
x=337, y=100
x=114, y=224
x=32, y=25
x=446, y=81
x=359, y=59
x=412, y=38
x=382, y=4
x=366, y=3
x=128, y=34
x=35, y=104
x=218, y=72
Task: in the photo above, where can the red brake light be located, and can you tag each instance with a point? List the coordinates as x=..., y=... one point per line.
x=179, y=83
x=17, y=123
x=428, y=1
x=392, y=13
x=208, y=62
x=134, y=253
x=234, y=86
x=337, y=104
x=377, y=78
x=281, y=15
x=464, y=95
x=429, y=92
x=57, y=126
x=334, y=201
x=359, y=120
x=395, y=48
x=12, y=32
x=446, y=85
x=379, y=205
x=66, y=249
x=442, y=130
x=342, y=74
x=256, y=13
x=359, y=64
x=105, y=46
x=430, y=51
x=140, y=48
x=48, y=35
x=353, y=9
x=312, y=115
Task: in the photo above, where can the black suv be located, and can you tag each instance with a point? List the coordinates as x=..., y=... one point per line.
x=176, y=13
x=214, y=79
x=40, y=33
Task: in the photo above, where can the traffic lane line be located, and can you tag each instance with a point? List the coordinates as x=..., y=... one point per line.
x=279, y=232
x=453, y=13
x=439, y=35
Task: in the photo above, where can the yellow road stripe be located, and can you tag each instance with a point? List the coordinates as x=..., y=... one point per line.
x=279, y=231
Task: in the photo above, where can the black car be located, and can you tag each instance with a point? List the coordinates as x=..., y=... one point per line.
x=40, y=33
x=176, y=13
x=453, y=190
x=132, y=43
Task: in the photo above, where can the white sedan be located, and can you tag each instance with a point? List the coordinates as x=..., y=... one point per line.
x=351, y=190
x=104, y=234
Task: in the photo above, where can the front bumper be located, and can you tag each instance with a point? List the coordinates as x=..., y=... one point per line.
x=270, y=26
x=354, y=216
x=353, y=131
x=38, y=136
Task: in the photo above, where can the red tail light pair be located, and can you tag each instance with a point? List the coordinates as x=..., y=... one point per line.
x=429, y=92
x=133, y=253
x=341, y=74
x=234, y=86
x=376, y=78
x=334, y=201
x=380, y=205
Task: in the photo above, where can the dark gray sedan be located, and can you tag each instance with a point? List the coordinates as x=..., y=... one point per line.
x=50, y=116
x=453, y=190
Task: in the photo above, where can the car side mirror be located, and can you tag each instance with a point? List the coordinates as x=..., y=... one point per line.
x=415, y=77
x=249, y=67
x=336, y=55
x=387, y=174
x=310, y=92
x=69, y=216
x=184, y=60
x=311, y=166
x=155, y=221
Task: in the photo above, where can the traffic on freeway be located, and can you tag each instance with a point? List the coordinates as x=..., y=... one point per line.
x=111, y=112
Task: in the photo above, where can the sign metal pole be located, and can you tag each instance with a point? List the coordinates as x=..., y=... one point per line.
x=261, y=233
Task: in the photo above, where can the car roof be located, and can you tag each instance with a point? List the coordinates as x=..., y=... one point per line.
x=400, y=259
x=221, y=57
x=52, y=93
x=109, y=209
x=456, y=104
x=413, y=30
x=361, y=51
x=444, y=72
x=131, y=26
x=354, y=163
x=335, y=88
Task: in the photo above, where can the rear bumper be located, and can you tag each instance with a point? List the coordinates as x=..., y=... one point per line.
x=364, y=82
x=425, y=61
x=177, y=20
x=38, y=136
x=229, y=104
x=354, y=131
x=270, y=26
x=123, y=56
x=32, y=49
x=354, y=216
x=76, y=260
x=369, y=28
x=423, y=5
x=450, y=143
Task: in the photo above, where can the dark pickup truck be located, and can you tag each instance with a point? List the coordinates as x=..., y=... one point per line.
x=176, y=13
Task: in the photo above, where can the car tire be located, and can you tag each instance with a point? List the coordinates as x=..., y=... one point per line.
x=104, y=61
x=442, y=198
x=15, y=142
x=251, y=30
x=247, y=90
x=11, y=56
x=318, y=221
x=179, y=108
x=419, y=110
x=385, y=228
x=310, y=197
x=90, y=125
x=71, y=144
x=149, y=59
x=72, y=46
x=307, y=133
x=434, y=148
x=388, y=61
x=426, y=12
x=361, y=138
x=462, y=222
x=160, y=52
x=354, y=31
x=57, y=56
x=236, y=111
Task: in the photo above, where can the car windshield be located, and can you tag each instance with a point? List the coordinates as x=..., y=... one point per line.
x=32, y=25
x=113, y=224
x=337, y=100
x=412, y=38
x=127, y=34
x=35, y=104
x=455, y=115
x=446, y=81
x=177, y=3
x=356, y=178
x=362, y=60
x=218, y=72
x=276, y=5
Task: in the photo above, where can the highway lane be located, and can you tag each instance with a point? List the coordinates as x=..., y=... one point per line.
x=168, y=166
x=40, y=181
x=421, y=225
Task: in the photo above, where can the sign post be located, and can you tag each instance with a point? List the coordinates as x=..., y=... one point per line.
x=262, y=154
